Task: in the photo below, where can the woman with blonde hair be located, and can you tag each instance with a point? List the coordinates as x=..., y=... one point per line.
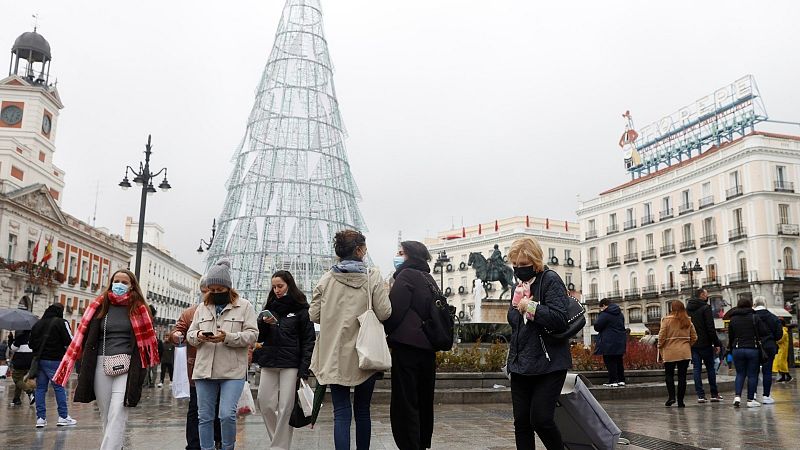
x=537, y=362
x=675, y=340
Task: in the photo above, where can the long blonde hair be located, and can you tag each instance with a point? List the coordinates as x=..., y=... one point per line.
x=527, y=249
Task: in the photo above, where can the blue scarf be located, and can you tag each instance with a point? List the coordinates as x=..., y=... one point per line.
x=350, y=266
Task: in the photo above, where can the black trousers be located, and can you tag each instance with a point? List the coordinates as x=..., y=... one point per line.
x=669, y=372
x=166, y=368
x=615, y=367
x=534, y=400
x=193, y=423
x=411, y=410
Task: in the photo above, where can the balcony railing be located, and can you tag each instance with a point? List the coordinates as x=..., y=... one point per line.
x=742, y=277
x=711, y=282
x=591, y=234
x=789, y=229
x=635, y=319
x=591, y=298
x=787, y=274
x=651, y=318
x=685, y=286
x=612, y=261
x=632, y=293
x=686, y=208
x=630, y=224
x=650, y=291
x=688, y=245
x=708, y=240
x=611, y=229
x=648, y=219
x=592, y=265
x=631, y=258
x=666, y=214
x=734, y=192
x=614, y=295
x=705, y=202
x=669, y=288
x=648, y=254
x=737, y=233
x=668, y=250
x=784, y=186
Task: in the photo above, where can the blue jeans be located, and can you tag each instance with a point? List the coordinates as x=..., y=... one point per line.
x=228, y=393
x=746, y=362
x=700, y=357
x=47, y=369
x=343, y=413
x=766, y=373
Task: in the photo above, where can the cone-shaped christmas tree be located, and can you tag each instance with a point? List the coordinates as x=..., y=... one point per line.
x=291, y=188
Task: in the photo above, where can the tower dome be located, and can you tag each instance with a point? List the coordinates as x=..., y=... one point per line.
x=32, y=46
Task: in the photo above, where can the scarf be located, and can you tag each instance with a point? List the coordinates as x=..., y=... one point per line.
x=142, y=329
x=350, y=266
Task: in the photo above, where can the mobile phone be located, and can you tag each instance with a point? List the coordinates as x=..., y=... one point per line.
x=208, y=333
x=268, y=314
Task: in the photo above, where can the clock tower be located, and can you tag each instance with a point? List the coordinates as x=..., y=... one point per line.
x=29, y=109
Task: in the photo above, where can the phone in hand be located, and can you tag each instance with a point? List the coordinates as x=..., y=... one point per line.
x=208, y=333
x=268, y=314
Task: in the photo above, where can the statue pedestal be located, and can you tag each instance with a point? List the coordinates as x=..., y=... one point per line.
x=494, y=310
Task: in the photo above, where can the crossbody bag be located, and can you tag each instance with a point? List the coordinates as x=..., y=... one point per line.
x=115, y=364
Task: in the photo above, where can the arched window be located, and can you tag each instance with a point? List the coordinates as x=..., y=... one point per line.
x=593, y=286
x=615, y=284
x=633, y=281
x=635, y=315
x=24, y=303
x=788, y=258
x=651, y=278
x=670, y=277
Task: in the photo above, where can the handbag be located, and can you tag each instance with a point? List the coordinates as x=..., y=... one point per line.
x=298, y=419
x=763, y=357
x=371, y=347
x=115, y=364
x=306, y=396
x=576, y=314
x=33, y=370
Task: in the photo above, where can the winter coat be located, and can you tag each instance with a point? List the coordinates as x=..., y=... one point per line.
x=532, y=351
x=59, y=338
x=227, y=360
x=703, y=321
x=84, y=391
x=610, y=326
x=412, y=287
x=168, y=353
x=675, y=341
x=781, y=362
x=183, y=324
x=338, y=300
x=775, y=329
x=289, y=343
x=23, y=355
x=742, y=328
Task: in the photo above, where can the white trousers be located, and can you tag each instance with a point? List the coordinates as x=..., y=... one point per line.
x=110, y=393
x=276, y=392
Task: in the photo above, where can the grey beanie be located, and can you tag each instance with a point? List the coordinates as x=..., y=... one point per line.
x=220, y=274
x=203, y=282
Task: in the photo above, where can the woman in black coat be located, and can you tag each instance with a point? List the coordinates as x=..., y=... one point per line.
x=537, y=362
x=413, y=357
x=745, y=330
x=611, y=340
x=287, y=337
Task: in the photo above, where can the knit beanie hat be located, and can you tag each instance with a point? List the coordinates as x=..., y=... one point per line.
x=220, y=274
x=203, y=283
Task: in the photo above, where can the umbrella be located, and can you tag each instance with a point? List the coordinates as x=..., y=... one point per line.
x=319, y=395
x=17, y=319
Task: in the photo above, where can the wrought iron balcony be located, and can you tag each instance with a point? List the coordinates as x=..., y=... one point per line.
x=705, y=202
x=789, y=229
x=630, y=224
x=738, y=278
x=648, y=254
x=633, y=293
x=592, y=265
x=591, y=234
x=666, y=214
x=784, y=186
x=734, y=192
x=591, y=298
x=711, y=282
x=708, y=240
x=614, y=295
x=685, y=208
x=612, y=261
x=611, y=229
x=685, y=286
x=653, y=318
x=631, y=258
x=737, y=233
x=650, y=291
x=688, y=245
x=648, y=219
x=669, y=288
x=668, y=250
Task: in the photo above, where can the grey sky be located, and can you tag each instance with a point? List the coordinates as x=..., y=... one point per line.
x=471, y=110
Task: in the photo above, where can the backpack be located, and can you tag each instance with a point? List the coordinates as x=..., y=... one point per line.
x=439, y=322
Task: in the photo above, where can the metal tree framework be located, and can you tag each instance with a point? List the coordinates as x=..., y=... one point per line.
x=291, y=188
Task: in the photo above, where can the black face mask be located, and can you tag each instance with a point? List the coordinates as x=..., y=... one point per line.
x=525, y=273
x=221, y=298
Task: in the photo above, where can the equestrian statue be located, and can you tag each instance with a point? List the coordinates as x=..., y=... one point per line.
x=495, y=269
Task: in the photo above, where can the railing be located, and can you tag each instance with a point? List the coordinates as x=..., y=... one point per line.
x=591, y=299
x=614, y=295
x=612, y=229
x=630, y=224
x=84, y=284
x=666, y=214
x=784, y=186
x=788, y=229
x=635, y=319
x=686, y=208
x=650, y=291
x=787, y=274
x=592, y=265
x=669, y=288
x=734, y=192
x=668, y=250
x=648, y=254
x=612, y=261
x=737, y=233
x=631, y=257
x=739, y=278
x=632, y=293
x=685, y=286
x=591, y=234
x=706, y=201
x=653, y=318
x=708, y=240
x=711, y=281
x=688, y=245
x=648, y=219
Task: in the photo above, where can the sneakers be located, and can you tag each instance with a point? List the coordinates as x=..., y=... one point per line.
x=41, y=423
x=753, y=404
x=716, y=398
x=611, y=384
x=161, y=385
x=737, y=401
x=701, y=400
x=621, y=384
x=767, y=400
x=66, y=421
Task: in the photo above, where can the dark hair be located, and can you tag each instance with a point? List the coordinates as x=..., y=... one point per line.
x=744, y=302
x=347, y=242
x=699, y=292
x=416, y=250
x=136, y=299
x=293, y=291
x=604, y=302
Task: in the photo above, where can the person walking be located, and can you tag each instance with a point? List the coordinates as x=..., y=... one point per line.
x=222, y=329
x=611, y=341
x=413, y=356
x=537, y=363
x=781, y=363
x=706, y=347
x=167, y=358
x=341, y=295
x=20, y=365
x=745, y=331
x=178, y=335
x=769, y=343
x=675, y=340
x=115, y=344
x=49, y=339
x=287, y=336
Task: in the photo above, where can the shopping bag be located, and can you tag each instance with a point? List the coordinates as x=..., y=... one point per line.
x=371, y=347
x=306, y=397
x=180, y=374
x=246, y=403
x=3, y=371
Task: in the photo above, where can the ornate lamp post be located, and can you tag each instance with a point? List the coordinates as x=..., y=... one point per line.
x=210, y=241
x=144, y=177
x=33, y=290
x=690, y=270
x=441, y=262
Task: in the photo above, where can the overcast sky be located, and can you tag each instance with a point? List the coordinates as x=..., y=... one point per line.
x=457, y=110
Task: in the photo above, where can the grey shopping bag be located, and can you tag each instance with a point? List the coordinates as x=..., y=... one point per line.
x=583, y=422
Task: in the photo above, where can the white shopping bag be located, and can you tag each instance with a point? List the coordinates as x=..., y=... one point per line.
x=3, y=371
x=180, y=374
x=246, y=403
x=306, y=396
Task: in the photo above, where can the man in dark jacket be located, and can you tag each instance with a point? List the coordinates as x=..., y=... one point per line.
x=706, y=346
x=167, y=358
x=611, y=341
x=769, y=342
x=50, y=338
x=21, y=362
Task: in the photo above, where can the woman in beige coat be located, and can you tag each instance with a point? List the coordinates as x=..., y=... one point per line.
x=338, y=299
x=675, y=341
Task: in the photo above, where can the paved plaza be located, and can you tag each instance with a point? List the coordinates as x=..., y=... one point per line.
x=158, y=423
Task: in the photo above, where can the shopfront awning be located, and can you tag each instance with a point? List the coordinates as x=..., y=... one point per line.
x=638, y=329
x=780, y=312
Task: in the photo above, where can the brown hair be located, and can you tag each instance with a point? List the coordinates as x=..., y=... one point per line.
x=679, y=313
x=234, y=296
x=137, y=298
x=527, y=250
x=346, y=242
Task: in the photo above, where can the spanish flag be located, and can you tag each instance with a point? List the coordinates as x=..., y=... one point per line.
x=48, y=251
x=35, y=252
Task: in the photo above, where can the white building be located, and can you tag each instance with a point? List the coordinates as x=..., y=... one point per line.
x=734, y=209
x=560, y=241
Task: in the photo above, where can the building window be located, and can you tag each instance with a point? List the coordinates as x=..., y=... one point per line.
x=708, y=227
x=59, y=261
x=612, y=250
x=593, y=287
x=629, y=215
x=647, y=209
x=73, y=262
x=780, y=174
x=706, y=189
x=12, y=247
x=738, y=222
x=666, y=204
x=634, y=282
x=612, y=220
x=788, y=258
x=635, y=315
x=551, y=253
x=651, y=277
x=31, y=244
x=593, y=317
x=615, y=284
x=17, y=173
x=686, y=197
x=783, y=214
x=668, y=237
x=568, y=278
x=592, y=225
x=593, y=254
x=687, y=232
x=653, y=313
x=648, y=240
x=567, y=254
x=631, y=246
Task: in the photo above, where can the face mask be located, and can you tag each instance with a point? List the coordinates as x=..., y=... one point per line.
x=525, y=273
x=398, y=260
x=221, y=298
x=119, y=288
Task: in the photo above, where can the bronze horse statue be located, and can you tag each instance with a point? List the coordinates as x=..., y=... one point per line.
x=504, y=274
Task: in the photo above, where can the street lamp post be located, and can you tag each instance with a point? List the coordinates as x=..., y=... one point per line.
x=441, y=261
x=33, y=290
x=144, y=176
x=690, y=270
x=210, y=241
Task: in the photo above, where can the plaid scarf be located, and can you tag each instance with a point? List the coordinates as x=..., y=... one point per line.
x=142, y=328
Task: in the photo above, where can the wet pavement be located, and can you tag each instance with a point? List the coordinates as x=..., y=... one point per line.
x=158, y=423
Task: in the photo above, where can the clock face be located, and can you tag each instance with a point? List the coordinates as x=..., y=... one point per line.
x=47, y=124
x=11, y=115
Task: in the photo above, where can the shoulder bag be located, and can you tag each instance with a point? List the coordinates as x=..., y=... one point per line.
x=763, y=357
x=115, y=364
x=33, y=371
x=576, y=314
x=371, y=346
